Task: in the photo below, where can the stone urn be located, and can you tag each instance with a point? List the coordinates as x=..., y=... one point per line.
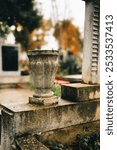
x=43, y=65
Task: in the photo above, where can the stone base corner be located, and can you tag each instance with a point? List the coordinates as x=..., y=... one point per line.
x=44, y=101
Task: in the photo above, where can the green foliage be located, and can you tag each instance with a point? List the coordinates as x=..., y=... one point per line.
x=68, y=35
x=23, y=37
x=4, y=29
x=19, y=11
x=56, y=89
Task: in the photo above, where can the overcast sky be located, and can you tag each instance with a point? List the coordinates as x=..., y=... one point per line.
x=65, y=9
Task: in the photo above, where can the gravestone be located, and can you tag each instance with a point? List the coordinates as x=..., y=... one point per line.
x=91, y=56
x=91, y=50
x=9, y=60
x=10, y=67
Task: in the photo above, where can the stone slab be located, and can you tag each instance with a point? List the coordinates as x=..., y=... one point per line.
x=44, y=100
x=72, y=78
x=18, y=119
x=15, y=95
x=29, y=143
x=80, y=92
x=68, y=134
x=14, y=79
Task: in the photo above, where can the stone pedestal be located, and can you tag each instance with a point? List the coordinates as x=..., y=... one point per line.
x=19, y=119
x=51, y=100
x=80, y=92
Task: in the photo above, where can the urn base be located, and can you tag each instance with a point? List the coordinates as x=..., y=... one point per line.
x=44, y=92
x=44, y=100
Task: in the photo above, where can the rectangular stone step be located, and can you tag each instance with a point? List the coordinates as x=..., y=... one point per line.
x=73, y=78
x=29, y=143
x=80, y=92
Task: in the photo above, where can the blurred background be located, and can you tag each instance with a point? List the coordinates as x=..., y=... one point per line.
x=42, y=24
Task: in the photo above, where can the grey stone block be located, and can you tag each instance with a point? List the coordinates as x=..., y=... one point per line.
x=80, y=92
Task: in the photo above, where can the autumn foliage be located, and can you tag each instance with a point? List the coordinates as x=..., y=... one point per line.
x=68, y=36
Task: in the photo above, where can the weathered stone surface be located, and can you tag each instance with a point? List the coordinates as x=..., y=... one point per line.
x=29, y=143
x=14, y=79
x=44, y=100
x=7, y=130
x=68, y=134
x=73, y=78
x=15, y=95
x=27, y=118
x=80, y=92
x=91, y=51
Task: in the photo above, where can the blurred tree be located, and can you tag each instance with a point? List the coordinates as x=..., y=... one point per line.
x=70, y=43
x=68, y=36
x=22, y=14
x=38, y=37
x=4, y=30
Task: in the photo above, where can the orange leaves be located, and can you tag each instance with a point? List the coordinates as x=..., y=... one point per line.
x=68, y=36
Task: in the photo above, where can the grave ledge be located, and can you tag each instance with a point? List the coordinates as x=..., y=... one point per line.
x=27, y=118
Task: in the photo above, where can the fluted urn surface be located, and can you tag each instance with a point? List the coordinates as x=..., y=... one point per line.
x=43, y=66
